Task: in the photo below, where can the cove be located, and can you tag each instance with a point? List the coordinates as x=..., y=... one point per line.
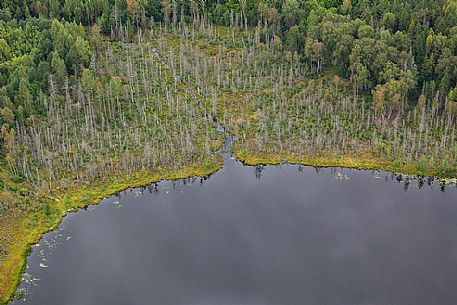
x=256, y=235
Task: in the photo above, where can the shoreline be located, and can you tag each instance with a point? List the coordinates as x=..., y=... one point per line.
x=71, y=201
x=325, y=161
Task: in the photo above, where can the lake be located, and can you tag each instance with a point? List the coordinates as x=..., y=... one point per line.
x=256, y=236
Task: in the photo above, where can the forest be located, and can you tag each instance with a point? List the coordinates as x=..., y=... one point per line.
x=96, y=93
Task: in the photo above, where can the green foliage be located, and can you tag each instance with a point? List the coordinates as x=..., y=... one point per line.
x=53, y=51
x=427, y=28
x=47, y=209
x=271, y=103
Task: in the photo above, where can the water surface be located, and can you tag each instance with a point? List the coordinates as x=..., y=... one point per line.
x=285, y=235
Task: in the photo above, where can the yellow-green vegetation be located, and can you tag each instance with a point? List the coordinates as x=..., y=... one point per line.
x=311, y=82
x=262, y=94
x=125, y=121
x=29, y=225
x=361, y=161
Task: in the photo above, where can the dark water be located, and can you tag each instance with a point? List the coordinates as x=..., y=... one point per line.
x=282, y=236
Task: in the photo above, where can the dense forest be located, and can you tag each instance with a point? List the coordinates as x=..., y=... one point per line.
x=97, y=88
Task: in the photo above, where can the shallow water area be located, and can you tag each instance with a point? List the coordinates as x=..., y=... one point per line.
x=256, y=235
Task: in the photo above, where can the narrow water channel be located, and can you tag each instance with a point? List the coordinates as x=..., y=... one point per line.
x=257, y=236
